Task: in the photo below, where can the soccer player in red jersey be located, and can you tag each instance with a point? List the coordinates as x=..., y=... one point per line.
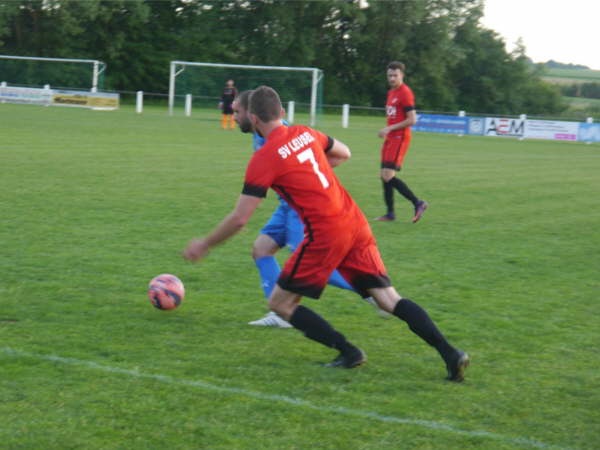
x=284, y=229
x=401, y=115
x=297, y=162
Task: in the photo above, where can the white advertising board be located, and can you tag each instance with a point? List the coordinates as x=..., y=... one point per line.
x=552, y=130
x=495, y=126
x=25, y=95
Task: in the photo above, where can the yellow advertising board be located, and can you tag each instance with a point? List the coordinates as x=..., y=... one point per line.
x=103, y=100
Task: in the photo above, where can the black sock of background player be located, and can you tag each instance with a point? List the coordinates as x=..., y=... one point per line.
x=318, y=329
x=404, y=190
x=421, y=324
x=388, y=196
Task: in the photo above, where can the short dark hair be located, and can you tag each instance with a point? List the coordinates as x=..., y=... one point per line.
x=243, y=98
x=265, y=103
x=396, y=65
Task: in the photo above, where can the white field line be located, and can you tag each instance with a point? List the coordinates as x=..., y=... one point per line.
x=437, y=426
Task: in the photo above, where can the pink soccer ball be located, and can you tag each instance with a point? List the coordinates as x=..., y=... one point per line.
x=166, y=291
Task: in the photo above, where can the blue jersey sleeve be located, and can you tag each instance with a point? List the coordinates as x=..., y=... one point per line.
x=257, y=141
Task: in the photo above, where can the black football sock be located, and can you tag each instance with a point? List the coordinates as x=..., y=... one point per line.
x=318, y=329
x=421, y=324
x=404, y=190
x=388, y=196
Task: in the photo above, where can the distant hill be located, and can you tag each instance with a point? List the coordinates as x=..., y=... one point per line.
x=570, y=75
x=558, y=65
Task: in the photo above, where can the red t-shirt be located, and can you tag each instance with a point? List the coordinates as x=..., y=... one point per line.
x=399, y=101
x=293, y=163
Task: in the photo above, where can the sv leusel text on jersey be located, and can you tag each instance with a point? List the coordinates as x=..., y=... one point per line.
x=295, y=144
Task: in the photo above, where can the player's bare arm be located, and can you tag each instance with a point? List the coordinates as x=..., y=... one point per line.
x=411, y=119
x=231, y=224
x=338, y=153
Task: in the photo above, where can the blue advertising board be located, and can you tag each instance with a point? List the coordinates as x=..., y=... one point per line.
x=436, y=123
x=589, y=132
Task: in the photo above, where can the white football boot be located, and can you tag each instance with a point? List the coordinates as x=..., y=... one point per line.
x=271, y=319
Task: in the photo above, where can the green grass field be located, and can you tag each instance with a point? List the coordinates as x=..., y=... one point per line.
x=570, y=76
x=94, y=204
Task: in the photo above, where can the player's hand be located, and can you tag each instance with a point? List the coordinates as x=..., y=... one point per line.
x=196, y=250
x=383, y=132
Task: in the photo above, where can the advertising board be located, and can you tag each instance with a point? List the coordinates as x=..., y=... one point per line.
x=495, y=126
x=101, y=100
x=552, y=130
x=437, y=123
x=35, y=96
x=589, y=132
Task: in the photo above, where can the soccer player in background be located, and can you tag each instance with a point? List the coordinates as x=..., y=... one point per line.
x=225, y=105
x=284, y=228
x=401, y=115
x=297, y=162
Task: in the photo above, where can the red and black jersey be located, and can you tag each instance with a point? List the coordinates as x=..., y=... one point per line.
x=399, y=102
x=293, y=162
x=228, y=96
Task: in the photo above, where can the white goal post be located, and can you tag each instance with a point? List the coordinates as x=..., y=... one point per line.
x=97, y=66
x=177, y=67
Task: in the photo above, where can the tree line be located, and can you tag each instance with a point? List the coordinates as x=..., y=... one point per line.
x=584, y=90
x=452, y=61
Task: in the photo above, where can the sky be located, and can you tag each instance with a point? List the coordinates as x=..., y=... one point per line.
x=565, y=31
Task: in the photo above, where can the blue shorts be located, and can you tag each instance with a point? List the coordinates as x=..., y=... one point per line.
x=285, y=227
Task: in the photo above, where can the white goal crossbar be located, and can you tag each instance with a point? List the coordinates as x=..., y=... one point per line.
x=98, y=66
x=179, y=66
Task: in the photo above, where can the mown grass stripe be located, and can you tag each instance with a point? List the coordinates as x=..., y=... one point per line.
x=432, y=425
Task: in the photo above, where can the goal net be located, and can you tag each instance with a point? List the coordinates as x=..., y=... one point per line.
x=58, y=73
x=205, y=82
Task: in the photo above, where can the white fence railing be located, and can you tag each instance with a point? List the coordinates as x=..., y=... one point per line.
x=461, y=123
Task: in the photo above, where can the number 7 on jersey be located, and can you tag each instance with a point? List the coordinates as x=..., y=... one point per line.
x=308, y=155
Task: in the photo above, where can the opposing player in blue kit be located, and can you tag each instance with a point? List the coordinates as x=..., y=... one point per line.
x=284, y=228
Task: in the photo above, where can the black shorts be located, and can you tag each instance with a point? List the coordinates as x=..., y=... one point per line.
x=227, y=109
